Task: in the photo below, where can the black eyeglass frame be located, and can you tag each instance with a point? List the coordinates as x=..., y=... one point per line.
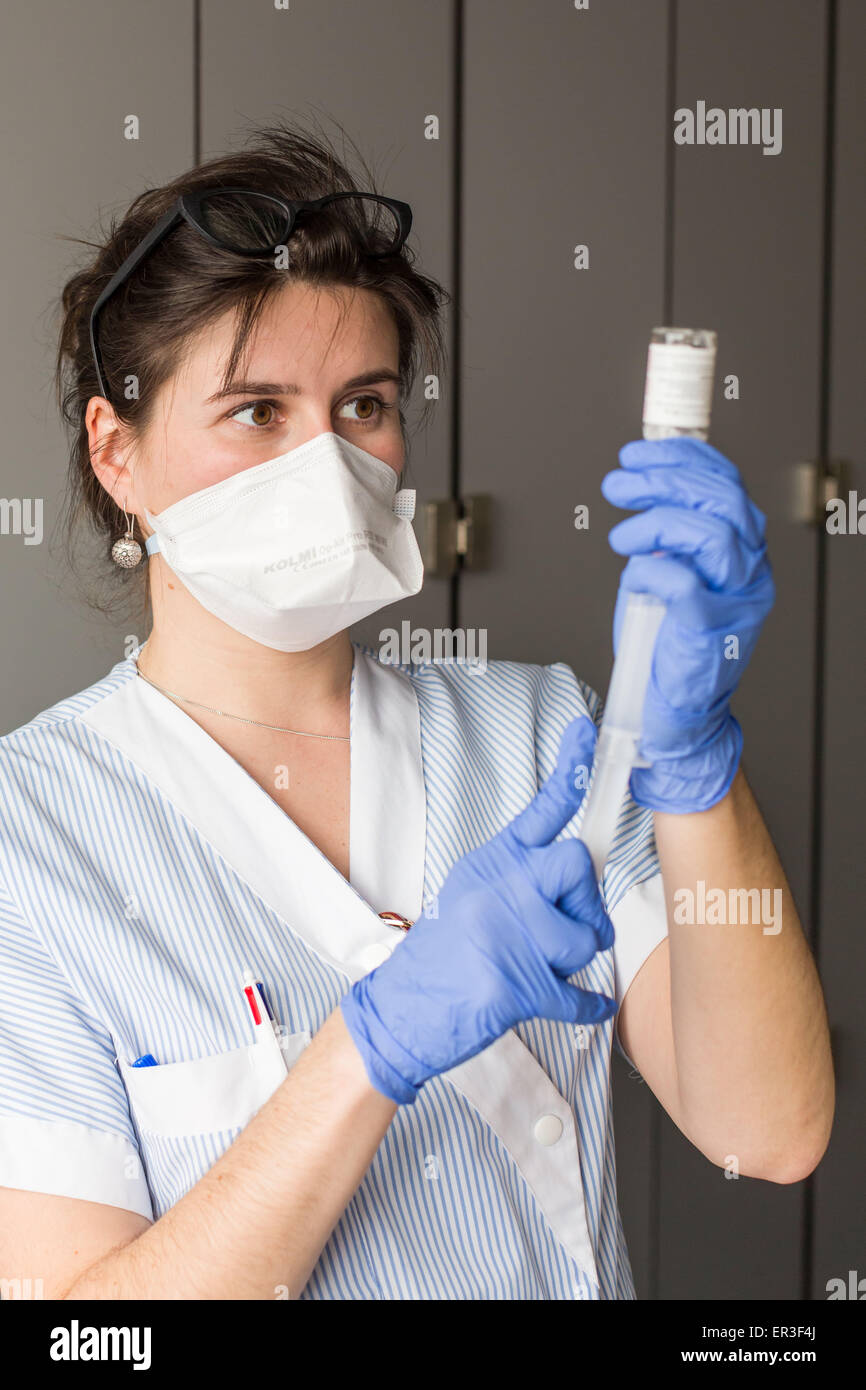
x=188, y=209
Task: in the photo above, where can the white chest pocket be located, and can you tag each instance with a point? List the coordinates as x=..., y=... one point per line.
x=213, y=1093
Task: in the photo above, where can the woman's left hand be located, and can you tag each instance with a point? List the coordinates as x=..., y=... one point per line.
x=716, y=580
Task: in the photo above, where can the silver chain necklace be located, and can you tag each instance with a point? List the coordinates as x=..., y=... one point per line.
x=336, y=738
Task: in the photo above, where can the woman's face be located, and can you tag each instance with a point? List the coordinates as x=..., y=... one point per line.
x=305, y=371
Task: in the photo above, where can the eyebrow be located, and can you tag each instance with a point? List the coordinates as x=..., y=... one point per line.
x=289, y=388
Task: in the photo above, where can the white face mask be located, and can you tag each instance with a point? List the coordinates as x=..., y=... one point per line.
x=295, y=549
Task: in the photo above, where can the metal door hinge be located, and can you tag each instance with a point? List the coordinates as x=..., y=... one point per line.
x=815, y=483
x=456, y=535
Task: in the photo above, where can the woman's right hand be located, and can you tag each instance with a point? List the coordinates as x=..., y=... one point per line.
x=515, y=918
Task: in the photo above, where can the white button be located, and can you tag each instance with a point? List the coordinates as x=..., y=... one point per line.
x=548, y=1129
x=374, y=955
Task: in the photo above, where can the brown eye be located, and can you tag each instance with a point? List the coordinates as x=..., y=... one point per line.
x=254, y=411
x=366, y=410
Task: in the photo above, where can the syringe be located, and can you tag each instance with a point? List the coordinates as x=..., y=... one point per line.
x=677, y=401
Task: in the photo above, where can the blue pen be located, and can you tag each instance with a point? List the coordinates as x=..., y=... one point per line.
x=265, y=1026
x=265, y=1001
x=145, y=1060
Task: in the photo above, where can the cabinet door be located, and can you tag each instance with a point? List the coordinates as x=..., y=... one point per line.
x=71, y=76
x=564, y=142
x=382, y=70
x=839, y=1204
x=747, y=261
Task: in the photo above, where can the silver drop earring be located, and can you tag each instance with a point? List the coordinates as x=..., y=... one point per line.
x=126, y=552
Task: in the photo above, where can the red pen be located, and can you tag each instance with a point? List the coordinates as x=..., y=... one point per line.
x=264, y=1026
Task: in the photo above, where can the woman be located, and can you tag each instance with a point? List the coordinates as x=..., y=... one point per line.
x=236, y=826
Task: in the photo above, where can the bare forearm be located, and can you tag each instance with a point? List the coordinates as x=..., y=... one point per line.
x=257, y=1221
x=749, y=1022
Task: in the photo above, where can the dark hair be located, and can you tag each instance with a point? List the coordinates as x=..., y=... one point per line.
x=178, y=291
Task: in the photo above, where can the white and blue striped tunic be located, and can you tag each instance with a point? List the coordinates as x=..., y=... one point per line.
x=142, y=869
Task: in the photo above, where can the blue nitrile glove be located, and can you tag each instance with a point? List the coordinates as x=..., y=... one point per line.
x=516, y=917
x=717, y=583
